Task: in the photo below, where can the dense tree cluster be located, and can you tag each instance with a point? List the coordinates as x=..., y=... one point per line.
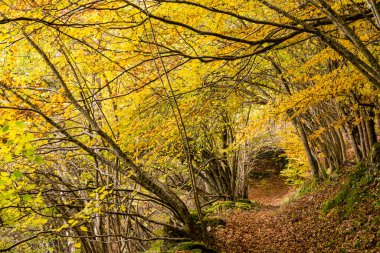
x=122, y=120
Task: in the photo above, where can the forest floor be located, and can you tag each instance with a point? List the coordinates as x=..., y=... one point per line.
x=270, y=191
x=300, y=225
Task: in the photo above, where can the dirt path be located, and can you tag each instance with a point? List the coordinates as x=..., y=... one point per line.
x=269, y=191
x=299, y=226
x=259, y=231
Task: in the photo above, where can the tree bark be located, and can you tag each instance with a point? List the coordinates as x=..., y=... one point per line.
x=302, y=134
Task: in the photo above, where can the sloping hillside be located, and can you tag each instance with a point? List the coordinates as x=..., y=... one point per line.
x=341, y=216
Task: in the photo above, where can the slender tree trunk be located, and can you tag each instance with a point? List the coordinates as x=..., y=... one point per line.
x=370, y=126
x=376, y=13
x=377, y=116
x=139, y=175
x=363, y=138
x=354, y=144
x=312, y=163
x=342, y=144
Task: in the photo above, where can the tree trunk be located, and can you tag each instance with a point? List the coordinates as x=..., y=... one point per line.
x=302, y=134
x=354, y=144
x=370, y=126
x=342, y=144
x=363, y=139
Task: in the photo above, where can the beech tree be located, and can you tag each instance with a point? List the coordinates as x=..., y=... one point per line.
x=120, y=118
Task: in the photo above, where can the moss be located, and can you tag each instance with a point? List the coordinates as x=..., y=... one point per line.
x=194, y=247
x=246, y=201
x=352, y=193
x=243, y=206
x=155, y=247
x=214, y=221
x=303, y=189
x=218, y=206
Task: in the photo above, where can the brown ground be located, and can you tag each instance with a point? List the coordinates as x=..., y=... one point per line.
x=298, y=226
x=269, y=191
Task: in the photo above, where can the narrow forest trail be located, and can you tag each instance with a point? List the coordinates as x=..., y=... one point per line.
x=269, y=191
x=297, y=226
x=267, y=230
x=260, y=231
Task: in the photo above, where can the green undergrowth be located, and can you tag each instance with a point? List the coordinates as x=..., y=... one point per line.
x=303, y=189
x=243, y=204
x=295, y=173
x=188, y=247
x=193, y=247
x=213, y=218
x=359, y=188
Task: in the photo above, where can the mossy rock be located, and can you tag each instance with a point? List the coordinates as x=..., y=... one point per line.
x=246, y=201
x=176, y=233
x=193, y=247
x=170, y=232
x=244, y=204
x=219, y=205
x=214, y=221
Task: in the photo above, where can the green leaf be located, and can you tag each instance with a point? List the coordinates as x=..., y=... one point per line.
x=29, y=152
x=17, y=174
x=38, y=159
x=20, y=124
x=27, y=197
x=5, y=128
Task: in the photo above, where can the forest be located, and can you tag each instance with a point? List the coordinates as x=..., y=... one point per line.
x=189, y=126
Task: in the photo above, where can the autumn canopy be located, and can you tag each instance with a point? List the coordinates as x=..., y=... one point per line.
x=122, y=122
